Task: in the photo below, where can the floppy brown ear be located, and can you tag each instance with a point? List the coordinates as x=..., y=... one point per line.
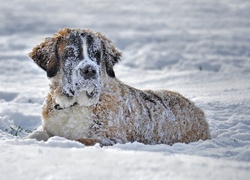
x=111, y=56
x=44, y=55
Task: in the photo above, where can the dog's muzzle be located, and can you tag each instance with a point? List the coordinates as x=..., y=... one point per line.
x=85, y=79
x=88, y=72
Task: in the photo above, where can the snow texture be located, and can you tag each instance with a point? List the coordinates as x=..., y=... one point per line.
x=198, y=48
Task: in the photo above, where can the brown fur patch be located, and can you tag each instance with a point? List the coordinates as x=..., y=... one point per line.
x=47, y=109
x=61, y=46
x=63, y=32
x=88, y=142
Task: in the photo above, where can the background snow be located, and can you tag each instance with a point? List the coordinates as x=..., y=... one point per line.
x=198, y=48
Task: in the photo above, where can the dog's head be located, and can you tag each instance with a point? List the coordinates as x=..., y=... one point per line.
x=76, y=62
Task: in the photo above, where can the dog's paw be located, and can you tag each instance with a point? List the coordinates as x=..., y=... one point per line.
x=39, y=136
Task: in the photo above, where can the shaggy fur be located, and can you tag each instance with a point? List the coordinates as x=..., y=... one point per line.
x=102, y=109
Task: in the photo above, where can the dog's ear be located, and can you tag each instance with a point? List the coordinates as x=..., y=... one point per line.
x=111, y=55
x=44, y=55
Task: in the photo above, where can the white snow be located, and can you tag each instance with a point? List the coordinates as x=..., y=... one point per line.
x=198, y=48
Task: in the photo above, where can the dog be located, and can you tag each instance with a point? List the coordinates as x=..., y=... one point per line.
x=87, y=103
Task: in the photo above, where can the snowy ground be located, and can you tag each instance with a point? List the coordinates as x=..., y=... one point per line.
x=198, y=48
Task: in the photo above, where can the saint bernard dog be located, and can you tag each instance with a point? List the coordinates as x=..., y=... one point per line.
x=87, y=103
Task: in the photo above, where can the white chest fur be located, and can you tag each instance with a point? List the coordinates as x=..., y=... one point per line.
x=72, y=123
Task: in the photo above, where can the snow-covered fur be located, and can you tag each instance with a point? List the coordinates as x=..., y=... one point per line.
x=87, y=103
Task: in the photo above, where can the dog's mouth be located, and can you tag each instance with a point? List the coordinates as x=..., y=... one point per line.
x=91, y=91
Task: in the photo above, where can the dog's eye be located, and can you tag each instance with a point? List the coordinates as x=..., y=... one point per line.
x=94, y=53
x=70, y=52
x=97, y=54
x=90, y=40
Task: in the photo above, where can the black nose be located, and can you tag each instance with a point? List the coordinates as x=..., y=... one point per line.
x=88, y=72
